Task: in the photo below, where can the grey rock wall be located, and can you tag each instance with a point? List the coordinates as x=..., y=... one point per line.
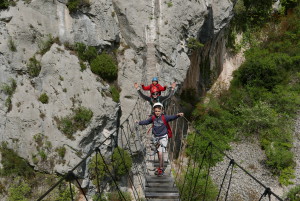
x=151, y=37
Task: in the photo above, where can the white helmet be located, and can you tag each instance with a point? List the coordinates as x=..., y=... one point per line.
x=158, y=104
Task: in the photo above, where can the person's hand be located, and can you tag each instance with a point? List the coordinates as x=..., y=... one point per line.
x=136, y=121
x=173, y=85
x=136, y=85
x=180, y=114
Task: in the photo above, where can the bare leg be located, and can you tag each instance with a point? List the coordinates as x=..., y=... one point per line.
x=160, y=159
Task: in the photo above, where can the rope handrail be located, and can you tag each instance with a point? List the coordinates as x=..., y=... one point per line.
x=267, y=191
x=129, y=127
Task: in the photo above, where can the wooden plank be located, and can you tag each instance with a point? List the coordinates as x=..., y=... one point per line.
x=156, y=161
x=161, y=189
x=165, y=199
x=162, y=195
x=150, y=184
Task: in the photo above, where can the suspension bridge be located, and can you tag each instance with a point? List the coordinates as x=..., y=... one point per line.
x=182, y=173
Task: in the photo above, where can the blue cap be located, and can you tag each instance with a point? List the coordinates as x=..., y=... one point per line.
x=155, y=79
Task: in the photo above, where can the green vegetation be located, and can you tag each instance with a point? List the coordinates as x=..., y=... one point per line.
x=115, y=196
x=115, y=93
x=121, y=162
x=119, y=166
x=105, y=66
x=97, y=167
x=86, y=53
x=11, y=45
x=34, y=67
x=194, y=44
x=74, y=5
x=45, y=45
x=263, y=98
x=79, y=120
x=65, y=193
x=196, y=191
x=19, y=192
x=9, y=90
x=39, y=138
x=44, y=98
x=61, y=151
x=169, y=4
x=13, y=164
x=294, y=194
x=4, y=4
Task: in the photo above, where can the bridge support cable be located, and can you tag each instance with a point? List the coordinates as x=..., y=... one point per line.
x=246, y=172
x=97, y=174
x=110, y=174
x=71, y=191
x=231, y=163
x=192, y=189
x=131, y=154
x=188, y=165
x=266, y=192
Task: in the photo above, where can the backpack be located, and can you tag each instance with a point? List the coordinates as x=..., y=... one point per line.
x=170, y=134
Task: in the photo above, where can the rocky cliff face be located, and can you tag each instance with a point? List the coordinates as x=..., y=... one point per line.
x=151, y=37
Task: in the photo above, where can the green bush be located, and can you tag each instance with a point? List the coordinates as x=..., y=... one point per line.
x=9, y=90
x=43, y=155
x=45, y=45
x=257, y=118
x=105, y=66
x=74, y=5
x=195, y=189
x=279, y=156
x=44, y=98
x=82, y=66
x=121, y=162
x=97, y=169
x=194, y=44
x=61, y=151
x=115, y=93
x=65, y=193
x=294, y=194
x=11, y=45
x=19, y=192
x=13, y=164
x=115, y=196
x=38, y=138
x=86, y=53
x=4, y=4
x=79, y=120
x=34, y=67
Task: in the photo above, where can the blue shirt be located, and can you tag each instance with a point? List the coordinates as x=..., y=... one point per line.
x=159, y=128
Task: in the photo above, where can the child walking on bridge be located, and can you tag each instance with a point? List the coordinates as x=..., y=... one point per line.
x=161, y=131
x=154, y=87
x=155, y=97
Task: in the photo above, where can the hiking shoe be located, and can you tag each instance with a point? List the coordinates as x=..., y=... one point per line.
x=159, y=172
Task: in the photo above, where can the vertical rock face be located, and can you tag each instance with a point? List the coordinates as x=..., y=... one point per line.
x=151, y=37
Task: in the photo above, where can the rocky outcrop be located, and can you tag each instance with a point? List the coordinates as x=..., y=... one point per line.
x=61, y=78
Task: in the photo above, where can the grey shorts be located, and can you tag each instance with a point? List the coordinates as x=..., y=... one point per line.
x=163, y=143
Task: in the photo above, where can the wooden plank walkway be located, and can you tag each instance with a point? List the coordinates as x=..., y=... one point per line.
x=160, y=188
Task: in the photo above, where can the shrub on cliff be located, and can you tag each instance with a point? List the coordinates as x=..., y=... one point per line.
x=105, y=66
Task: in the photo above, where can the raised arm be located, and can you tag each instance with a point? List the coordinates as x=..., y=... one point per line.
x=147, y=98
x=171, y=93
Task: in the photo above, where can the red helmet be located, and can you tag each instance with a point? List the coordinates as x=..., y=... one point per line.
x=154, y=91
